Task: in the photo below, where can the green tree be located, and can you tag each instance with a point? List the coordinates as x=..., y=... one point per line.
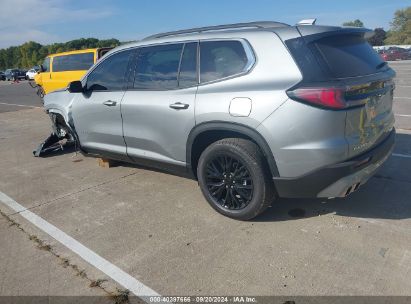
x=378, y=38
x=400, y=32
x=27, y=50
x=356, y=23
x=32, y=53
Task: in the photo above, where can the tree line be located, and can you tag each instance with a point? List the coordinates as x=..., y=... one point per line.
x=32, y=53
x=399, y=33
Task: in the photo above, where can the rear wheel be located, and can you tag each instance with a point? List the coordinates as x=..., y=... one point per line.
x=234, y=180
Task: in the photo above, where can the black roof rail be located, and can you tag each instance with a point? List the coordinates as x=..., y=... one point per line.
x=258, y=24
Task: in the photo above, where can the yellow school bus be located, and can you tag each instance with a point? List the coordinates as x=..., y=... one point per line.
x=58, y=70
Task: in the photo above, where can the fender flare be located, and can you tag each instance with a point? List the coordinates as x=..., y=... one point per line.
x=233, y=127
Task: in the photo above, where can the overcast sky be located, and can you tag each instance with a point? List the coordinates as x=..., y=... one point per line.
x=48, y=21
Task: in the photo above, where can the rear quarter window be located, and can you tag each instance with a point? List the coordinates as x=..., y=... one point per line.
x=221, y=59
x=73, y=62
x=348, y=55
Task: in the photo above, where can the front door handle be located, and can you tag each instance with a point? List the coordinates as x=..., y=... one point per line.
x=110, y=103
x=179, y=106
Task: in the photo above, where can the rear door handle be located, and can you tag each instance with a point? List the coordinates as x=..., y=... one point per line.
x=179, y=106
x=110, y=103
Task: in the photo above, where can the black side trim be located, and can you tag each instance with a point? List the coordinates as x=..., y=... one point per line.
x=233, y=127
x=310, y=184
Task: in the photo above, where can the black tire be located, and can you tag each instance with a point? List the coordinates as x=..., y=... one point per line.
x=234, y=178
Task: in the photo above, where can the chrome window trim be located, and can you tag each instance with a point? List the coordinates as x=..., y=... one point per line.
x=249, y=51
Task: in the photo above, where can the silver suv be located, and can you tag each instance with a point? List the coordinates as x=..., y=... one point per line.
x=253, y=111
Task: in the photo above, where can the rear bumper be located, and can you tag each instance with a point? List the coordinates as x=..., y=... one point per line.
x=340, y=179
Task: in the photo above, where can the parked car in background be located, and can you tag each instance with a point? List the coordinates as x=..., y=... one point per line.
x=12, y=74
x=2, y=76
x=31, y=73
x=393, y=54
x=253, y=111
x=58, y=70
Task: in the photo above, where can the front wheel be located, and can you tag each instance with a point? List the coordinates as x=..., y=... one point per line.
x=234, y=179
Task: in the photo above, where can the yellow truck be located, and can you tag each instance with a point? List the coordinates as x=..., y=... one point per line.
x=58, y=70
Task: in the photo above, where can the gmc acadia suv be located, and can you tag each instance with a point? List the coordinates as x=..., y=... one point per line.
x=254, y=111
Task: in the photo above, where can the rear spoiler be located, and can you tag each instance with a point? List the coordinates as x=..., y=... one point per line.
x=315, y=32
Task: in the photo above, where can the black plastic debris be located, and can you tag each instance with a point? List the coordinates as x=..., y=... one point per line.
x=51, y=145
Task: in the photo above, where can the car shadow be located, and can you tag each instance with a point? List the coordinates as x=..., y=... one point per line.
x=387, y=195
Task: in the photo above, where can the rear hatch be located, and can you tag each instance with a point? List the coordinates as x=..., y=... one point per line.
x=342, y=72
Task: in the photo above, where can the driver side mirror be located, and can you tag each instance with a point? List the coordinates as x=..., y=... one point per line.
x=75, y=87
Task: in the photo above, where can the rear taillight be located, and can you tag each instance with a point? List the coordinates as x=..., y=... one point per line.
x=331, y=98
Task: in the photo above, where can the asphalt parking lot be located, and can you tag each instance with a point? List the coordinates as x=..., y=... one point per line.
x=156, y=233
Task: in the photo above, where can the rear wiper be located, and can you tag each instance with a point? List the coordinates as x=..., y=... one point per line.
x=381, y=65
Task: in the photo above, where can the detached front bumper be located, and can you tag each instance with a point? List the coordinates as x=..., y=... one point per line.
x=340, y=179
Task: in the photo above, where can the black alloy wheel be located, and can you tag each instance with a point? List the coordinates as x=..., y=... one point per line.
x=229, y=182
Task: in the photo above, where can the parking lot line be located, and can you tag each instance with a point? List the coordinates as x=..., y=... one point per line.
x=118, y=275
x=402, y=97
x=18, y=105
x=401, y=155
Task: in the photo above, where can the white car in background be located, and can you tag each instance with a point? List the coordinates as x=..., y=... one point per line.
x=30, y=74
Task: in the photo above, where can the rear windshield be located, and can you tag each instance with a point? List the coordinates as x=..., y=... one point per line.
x=348, y=55
x=74, y=62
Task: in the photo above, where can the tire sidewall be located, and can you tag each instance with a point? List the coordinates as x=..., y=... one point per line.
x=256, y=173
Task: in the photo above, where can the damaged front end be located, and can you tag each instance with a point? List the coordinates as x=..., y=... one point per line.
x=60, y=139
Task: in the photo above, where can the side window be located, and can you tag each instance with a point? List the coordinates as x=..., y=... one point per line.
x=74, y=62
x=157, y=67
x=188, y=66
x=220, y=59
x=46, y=64
x=110, y=74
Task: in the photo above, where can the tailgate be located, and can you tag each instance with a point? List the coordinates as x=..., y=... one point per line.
x=369, y=124
x=339, y=60
x=351, y=61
